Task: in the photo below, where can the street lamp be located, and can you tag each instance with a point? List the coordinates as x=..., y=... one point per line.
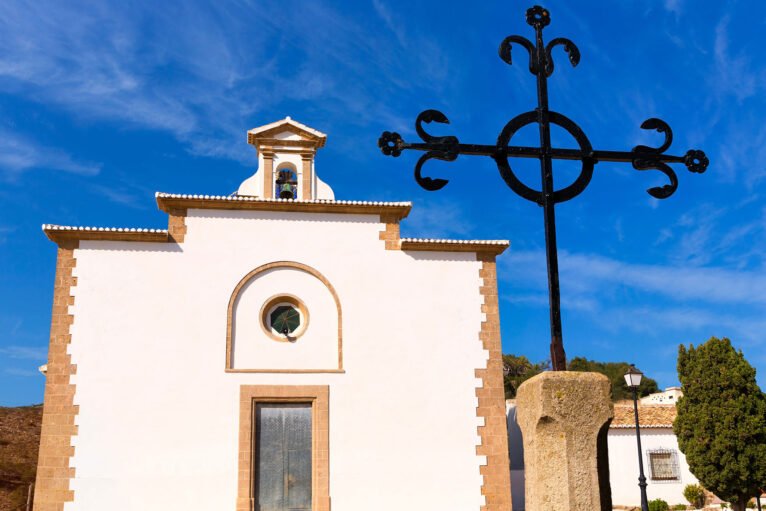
x=633, y=379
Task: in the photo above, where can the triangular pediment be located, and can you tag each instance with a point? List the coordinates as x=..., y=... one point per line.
x=286, y=130
x=286, y=150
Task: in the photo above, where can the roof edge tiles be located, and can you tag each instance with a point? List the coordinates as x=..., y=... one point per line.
x=652, y=416
x=495, y=247
x=170, y=201
x=62, y=233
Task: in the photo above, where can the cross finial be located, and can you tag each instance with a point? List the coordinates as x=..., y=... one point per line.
x=448, y=148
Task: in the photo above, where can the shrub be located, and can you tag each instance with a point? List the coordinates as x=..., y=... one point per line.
x=679, y=507
x=658, y=505
x=751, y=504
x=695, y=495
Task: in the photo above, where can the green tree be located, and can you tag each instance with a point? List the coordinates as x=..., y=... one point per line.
x=518, y=370
x=721, y=423
x=615, y=371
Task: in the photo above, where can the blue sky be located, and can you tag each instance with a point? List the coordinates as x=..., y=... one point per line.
x=102, y=105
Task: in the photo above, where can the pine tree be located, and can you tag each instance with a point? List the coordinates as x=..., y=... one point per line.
x=615, y=371
x=518, y=370
x=721, y=423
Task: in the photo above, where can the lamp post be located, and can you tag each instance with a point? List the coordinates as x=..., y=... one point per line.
x=633, y=379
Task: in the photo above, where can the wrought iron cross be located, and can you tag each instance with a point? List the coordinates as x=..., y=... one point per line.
x=448, y=148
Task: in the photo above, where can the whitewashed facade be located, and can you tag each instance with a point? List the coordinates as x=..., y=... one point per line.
x=669, y=396
x=162, y=348
x=660, y=448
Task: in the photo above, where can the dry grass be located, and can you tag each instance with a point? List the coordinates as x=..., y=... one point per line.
x=19, y=443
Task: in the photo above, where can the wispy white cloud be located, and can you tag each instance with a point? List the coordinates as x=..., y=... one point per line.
x=657, y=300
x=17, y=371
x=695, y=234
x=726, y=121
x=99, y=62
x=4, y=232
x=742, y=151
x=589, y=275
x=437, y=219
x=578, y=303
x=122, y=195
x=143, y=66
x=674, y=6
x=639, y=105
x=537, y=299
x=711, y=233
x=734, y=75
x=19, y=154
x=388, y=18
x=619, y=230
x=747, y=329
x=25, y=352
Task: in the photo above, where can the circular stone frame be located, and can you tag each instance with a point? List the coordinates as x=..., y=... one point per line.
x=283, y=299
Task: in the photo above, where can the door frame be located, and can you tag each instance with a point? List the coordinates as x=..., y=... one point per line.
x=319, y=398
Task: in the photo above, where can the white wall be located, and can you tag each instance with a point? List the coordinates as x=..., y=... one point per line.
x=317, y=348
x=158, y=416
x=669, y=396
x=623, y=467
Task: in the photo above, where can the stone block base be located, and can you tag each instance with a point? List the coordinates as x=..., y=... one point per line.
x=564, y=418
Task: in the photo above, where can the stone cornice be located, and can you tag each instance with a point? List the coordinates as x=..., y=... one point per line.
x=493, y=247
x=61, y=234
x=177, y=205
x=264, y=135
x=167, y=202
x=271, y=145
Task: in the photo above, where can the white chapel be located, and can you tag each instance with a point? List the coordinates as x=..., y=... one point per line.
x=271, y=350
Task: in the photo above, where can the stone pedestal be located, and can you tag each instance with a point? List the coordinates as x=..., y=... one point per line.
x=564, y=418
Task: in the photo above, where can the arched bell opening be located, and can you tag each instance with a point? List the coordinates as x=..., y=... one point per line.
x=286, y=183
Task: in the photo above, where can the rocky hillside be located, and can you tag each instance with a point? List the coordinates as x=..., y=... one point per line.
x=19, y=441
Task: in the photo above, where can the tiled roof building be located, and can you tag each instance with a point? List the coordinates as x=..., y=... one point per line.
x=650, y=416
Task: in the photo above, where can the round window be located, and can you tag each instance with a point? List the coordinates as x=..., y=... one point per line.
x=284, y=318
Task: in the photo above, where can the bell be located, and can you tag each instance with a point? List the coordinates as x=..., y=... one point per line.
x=286, y=192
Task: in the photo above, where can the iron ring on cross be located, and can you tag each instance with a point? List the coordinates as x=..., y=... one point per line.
x=523, y=190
